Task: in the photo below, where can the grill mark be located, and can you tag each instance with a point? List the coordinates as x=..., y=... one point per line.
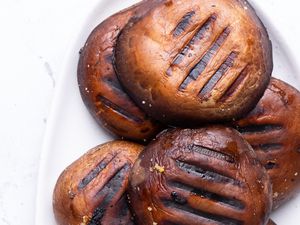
x=178, y=198
x=118, y=109
x=123, y=213
x=201, y=65
x=206, y=174
x=94, y=172
x=268, y=146
x=211, y=153
x=114, y=84
x=234, y=86
x=197, y=36
x=109, y=191
x=270, y=165
x=109, y=58
x=226, y=65
x=231, y=202
x=206, y=215
x=259, y=128
x=183, y=24
x=123, y=207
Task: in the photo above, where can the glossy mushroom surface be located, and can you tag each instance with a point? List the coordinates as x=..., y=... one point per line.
x=273, y=130
x=91, y=191
x=194, y=62
x=207, y=176
x=100, y=89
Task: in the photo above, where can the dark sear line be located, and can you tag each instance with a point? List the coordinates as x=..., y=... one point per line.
x=201, y=65
x=211, y=153
x=271, y=165
x=259, y=128
x=206, y=174
x=197, y=36
x=123, y=207
x=109, y=58
x=228, y=63
x=118, y=109
x=95, y=172
x=123, y=216
x=234, y=86
x=108, y=192
x=114, y=84
x=268, y=146
x=183, y=24
x=205, y=215
x=231, y=202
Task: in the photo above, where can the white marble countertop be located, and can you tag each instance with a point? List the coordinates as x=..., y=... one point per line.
x=34, y=38
x=33, y=41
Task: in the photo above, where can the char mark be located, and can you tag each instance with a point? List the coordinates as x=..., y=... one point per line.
x=123, y=215
x=113, y=83
x=228, y=63
x=199, y=35
x=201, y=65
x=211, y=153
x=259, y=128
x=231, y=202
x=123, y=207
x=109, y=191
x=234, y=86
x=207, y=174
x=95, y=172
x=270, y=165
x=268, y=146
x=109, y=58
x=118, y=109
x=183, y=24
x=199, y=213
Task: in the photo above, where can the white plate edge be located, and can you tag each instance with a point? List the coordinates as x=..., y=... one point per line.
x=54, y=110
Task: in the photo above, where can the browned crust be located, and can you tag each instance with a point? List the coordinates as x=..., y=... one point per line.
x=273, y=129
x=203, y=176
x=170, y=46
x=100, y=89
x=92, y=189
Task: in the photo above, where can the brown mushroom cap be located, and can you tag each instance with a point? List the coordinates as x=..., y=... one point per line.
x=203, y=176
x=100, y=89
x=92, y=189
x=273, y=130
x=194, y=62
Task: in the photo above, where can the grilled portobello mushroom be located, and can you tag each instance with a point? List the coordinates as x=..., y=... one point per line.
x=195, y=62
x=208, y=176
x=273, y=130
x=100, y=89
x=91, y=191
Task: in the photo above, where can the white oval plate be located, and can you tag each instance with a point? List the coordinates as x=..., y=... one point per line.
x=71, y=131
